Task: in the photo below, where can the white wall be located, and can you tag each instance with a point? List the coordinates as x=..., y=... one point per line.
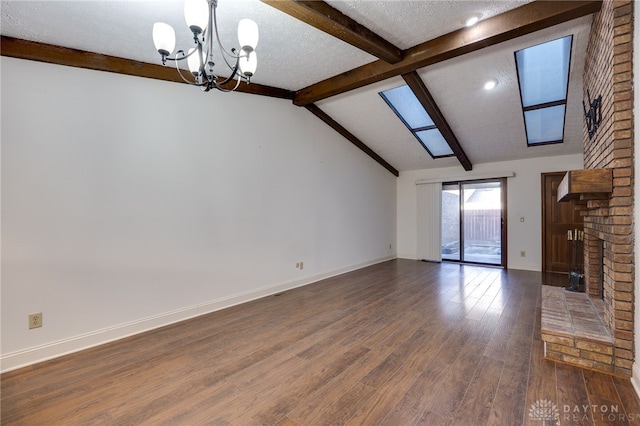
x=129, y=203
x=523, y=200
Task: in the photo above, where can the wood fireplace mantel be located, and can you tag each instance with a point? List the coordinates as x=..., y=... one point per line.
x=586, y=184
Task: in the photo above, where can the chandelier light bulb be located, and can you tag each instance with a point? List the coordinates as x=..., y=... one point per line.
x=248, y=64
x=164, y=38
x=248, y=34
x=202, y=18
x=193, y=62
x=196, y=14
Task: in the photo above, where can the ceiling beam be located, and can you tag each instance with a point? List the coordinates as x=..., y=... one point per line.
x=506, y=26
x=326, y=18
x=418, y=87
x=315, y=110
x=34, y=51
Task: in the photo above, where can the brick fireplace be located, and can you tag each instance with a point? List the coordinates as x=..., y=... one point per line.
x=608, y=223
x=595, y=330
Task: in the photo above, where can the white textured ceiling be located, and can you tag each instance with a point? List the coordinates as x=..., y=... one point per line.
x=488, y=124
x=293, y=55
x=408, y=23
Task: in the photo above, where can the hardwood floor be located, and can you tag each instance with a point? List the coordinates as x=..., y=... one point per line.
x=398, y=343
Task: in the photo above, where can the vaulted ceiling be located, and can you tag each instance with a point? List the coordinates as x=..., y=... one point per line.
x=334, y=58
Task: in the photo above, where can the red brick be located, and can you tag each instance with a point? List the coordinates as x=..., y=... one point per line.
x=626, y=306
x=563, y=349
x=622, y=85
x=622, y=48
x=623, y=67
x=622, y=248
x=622, y=29
x=594, y=356
x=623, y=325
x=626, y=363
x=595, y=347
x=621, y=8
x=624, y=344
x=622, y=96
x=551, y=338
x=620, y=211
x=624, y=372
x=623, y=267
x=620, y=201
x=622, y=125
x=554, y=356
x=623, y=115
x=621, y=20
x=624, y=286
x=625, y=181
x=622, y=191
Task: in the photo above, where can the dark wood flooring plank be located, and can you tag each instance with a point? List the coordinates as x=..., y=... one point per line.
x=401, y=342
x=601, y=385
x=572, y=396
x=313, y=402
x=629, y=399
x=291, y=398
x=478, y=400
x=454, y=385
x=502, y=333
x=542, y=381
x=604, y=400
x=432, y=419
x=389, y=392
x=386, y=369
x=412, y=405
x=606, y=412
x=509, y=404
x=373, y=410
x=287, y=422
x=340, y=406
x=519, y=349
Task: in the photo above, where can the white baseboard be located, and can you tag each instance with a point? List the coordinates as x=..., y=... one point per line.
x=635, y=378
x=36, y=354
x=407, y=256
x=523, y=266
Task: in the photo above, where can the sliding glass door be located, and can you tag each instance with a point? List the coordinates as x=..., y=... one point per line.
x=472, y=222
x=451, y=221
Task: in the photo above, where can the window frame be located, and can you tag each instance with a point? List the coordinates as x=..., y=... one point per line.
x=549, y=104
x=414, y=131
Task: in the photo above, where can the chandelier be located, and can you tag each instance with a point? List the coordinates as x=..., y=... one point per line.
x=202, y=21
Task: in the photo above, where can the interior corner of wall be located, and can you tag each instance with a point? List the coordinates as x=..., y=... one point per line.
x=635, y=377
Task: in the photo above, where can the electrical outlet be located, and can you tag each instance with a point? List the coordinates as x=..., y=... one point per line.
x=301, y=265
x=523, y=253
x=35, y=320
x=297, y=265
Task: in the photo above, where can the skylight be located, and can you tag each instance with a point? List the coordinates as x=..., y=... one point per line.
x=409, y=109
x=543, y=76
